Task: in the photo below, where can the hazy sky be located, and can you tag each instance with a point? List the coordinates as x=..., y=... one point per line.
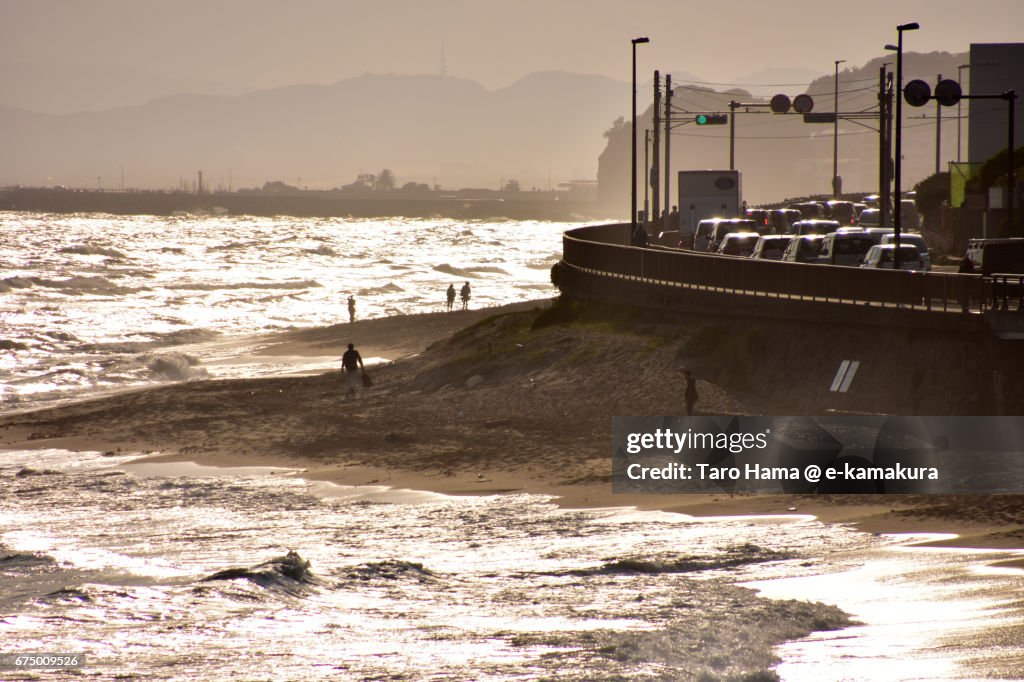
x=267, y=43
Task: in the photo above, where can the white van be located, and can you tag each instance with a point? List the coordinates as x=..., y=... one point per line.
x=702, y=235
x=914, y=238
x=846, y=247
x=995, y=256
x=726, y=225
x=803, y=249
x=881, y=256
x=771, y=246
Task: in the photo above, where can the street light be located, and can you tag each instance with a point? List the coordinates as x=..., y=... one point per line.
x=898, y=212
x=960, y=116
x=632, y=188
x=835, y=133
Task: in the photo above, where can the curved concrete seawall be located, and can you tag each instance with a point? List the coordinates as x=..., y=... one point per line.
x=921, y=344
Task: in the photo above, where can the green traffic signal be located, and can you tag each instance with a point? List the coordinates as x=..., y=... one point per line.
x=711, y=119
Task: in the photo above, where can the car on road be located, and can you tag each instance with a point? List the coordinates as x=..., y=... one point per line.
x=870, y=217
x=842, y=211
x=815, y=226
x=996, y=256
x=783, y=219
x=726, y=225
x=845, y=247
x=881, y=256
x=810, y=209
x=914, y=238
x=771, y=246
x=803, y=249
x=762, y=217
x=910, y=220
x=738, y=244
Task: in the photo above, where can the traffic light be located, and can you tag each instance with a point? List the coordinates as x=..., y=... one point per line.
x=711, y=119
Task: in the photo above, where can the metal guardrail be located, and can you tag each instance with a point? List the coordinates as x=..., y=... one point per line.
x=605, y=249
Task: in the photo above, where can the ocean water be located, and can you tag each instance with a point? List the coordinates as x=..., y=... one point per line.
x=183, y=572
x=96, y=302
x=186, y=572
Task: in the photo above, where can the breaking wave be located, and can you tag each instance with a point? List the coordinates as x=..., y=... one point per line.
x=175, y=366
x=90, y=250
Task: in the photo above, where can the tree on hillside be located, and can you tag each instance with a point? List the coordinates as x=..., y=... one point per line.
x=512, y=186
x=385, y=181
x=993, y=172
x=278, y=187
x=363, y=181
x=932, y=192
x=617, y=125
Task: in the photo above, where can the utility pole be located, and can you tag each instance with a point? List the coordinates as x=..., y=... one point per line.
x=732, y=134
x=938, y=130
x=885, y=145
x=836, y=182
x=647, y=189
x=652, y=170
x=667, y=180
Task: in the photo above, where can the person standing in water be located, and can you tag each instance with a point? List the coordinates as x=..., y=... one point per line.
x=451, y=296
x=351, y=309
x=465, y=293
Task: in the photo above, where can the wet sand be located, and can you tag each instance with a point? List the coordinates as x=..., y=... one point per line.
x=469, y=403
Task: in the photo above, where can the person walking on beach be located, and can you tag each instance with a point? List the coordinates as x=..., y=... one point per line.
x=465, y=295
x=351, y=364
x=351, y=309
x=451, y=296
x=690, y=395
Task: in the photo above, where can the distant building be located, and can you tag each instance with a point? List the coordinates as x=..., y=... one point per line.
x=995, y=68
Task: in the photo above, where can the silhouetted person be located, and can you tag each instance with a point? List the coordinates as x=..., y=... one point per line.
x=673, y=219
x=690, y=395
x=639, y=236
x=465, y=294
x=451, y=296
x=351, y=364
x=351, y=309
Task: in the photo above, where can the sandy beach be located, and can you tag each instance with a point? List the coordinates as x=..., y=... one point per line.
x=488, y=401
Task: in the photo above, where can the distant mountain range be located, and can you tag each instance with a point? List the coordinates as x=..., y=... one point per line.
x=453, y=132
x=546, y=128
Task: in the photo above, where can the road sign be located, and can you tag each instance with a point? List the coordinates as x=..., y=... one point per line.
x=948, y=92
x=823, y=117
x=780, y=104
x=803, y=104
x=917, y=93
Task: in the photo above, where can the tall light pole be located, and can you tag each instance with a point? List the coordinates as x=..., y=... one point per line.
x=898, y=171
x=835, y=133
x=647, y=185
x=959, y=107
x=632, y=188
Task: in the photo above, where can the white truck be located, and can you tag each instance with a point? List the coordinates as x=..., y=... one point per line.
x=707, y=194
